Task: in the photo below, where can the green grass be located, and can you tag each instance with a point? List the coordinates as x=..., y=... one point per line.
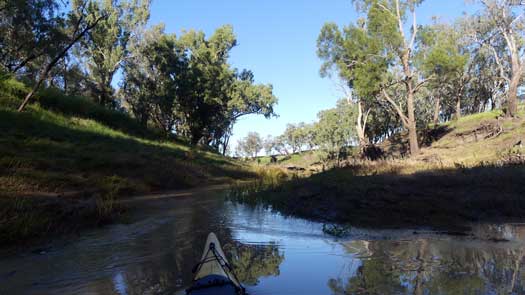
x=75, y=106
x=452, y=148
x=70, y=146
x=268, y=177
x=43, y=150
x=302, y=159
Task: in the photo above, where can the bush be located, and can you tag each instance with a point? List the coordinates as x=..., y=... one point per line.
x=11, y=89
x=55, y=100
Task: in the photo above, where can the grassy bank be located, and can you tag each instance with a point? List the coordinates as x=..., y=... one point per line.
x=65, y=161
x=302, y=159
x=464, y=176
x=445, y=199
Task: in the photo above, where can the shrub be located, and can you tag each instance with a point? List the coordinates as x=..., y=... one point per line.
x=12, y=90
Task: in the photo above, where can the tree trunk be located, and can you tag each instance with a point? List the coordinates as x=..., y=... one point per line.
x=30, y=94
x=412, y=138
x=420, y=272
x=512, y=96
x=65, y=78
x=225, y=144
x=458, y=107
x=412, y=129
x=437, y=109
x=196, y=135
x=361, y=126
x=411, y=122
x=104, y=97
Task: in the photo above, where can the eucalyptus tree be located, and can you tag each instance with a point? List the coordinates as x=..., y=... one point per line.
x=28, y=30
x=152, y=74
x=251, y=145
x=376, y=56
x=214, y=95
x=37, y=35
x=280, y=145
x=334, y=129
x=294, y=137
x=485, y=90
x=446, y=57
x=186, y=86
x=105, y=48
x=309, y=136
x=381, y=123
x=501, y=28
x=356, y=58
x=247, y=98
x=77, y=24
x=269, y=145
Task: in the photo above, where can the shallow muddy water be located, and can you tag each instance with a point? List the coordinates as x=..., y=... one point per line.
x=271, y=254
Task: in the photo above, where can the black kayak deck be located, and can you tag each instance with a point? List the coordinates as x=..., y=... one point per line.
x=213, y=284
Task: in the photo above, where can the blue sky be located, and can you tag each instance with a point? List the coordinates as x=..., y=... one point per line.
x=277, y=41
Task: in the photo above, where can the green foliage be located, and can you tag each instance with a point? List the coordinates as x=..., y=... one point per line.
x=149, y=87
x=356, y=55
x=11, y=88
x=252, y=262
x=81, y=107
x=445, y=56
x=58, y=150
x=331, y=134
x=335, y=129
x=251, y=145
x=23, y=41
x=106, y=46
x=295, y=136
x=266, y=178
x=185, y=85
x=383, y=25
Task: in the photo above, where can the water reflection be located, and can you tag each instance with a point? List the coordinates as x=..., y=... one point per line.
x=434, y=266
x=252, y=262
x=272, y=254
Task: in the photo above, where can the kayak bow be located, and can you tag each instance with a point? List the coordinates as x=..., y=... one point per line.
x=213, y=274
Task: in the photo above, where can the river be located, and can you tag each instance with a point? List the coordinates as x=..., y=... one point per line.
x=271, y=253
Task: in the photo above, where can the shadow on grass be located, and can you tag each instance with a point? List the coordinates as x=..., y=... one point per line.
x=33, y=146
x=41, y=151
x=397, y=145
x=82, y=107
x=444, y=199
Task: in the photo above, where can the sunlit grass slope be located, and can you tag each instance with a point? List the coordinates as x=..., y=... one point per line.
x=68, y=149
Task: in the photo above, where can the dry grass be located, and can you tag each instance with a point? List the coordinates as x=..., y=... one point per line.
x=268, y=178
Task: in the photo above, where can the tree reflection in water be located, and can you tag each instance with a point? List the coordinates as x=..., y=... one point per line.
x=435, y=266
x=252, y=262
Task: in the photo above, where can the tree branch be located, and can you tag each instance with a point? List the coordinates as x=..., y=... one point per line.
x=400, y=23
x=55, y=60
x=498, y=62
x=420, y=84
x=398, y=109
x=414, y=29
x=386, y=9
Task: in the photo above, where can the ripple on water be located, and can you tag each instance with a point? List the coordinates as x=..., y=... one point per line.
x=273, y=254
